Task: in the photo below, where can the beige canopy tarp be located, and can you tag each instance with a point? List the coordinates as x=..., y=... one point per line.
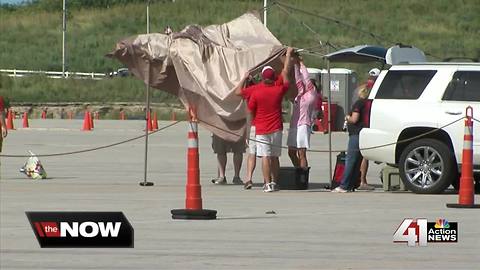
x=203, y=65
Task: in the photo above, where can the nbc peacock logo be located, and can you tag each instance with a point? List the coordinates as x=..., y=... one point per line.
x=442, y=224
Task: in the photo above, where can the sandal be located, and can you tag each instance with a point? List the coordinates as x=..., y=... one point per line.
x=248, y=185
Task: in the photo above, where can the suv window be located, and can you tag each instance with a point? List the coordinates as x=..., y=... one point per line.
x=404, y=84
x=464, y=86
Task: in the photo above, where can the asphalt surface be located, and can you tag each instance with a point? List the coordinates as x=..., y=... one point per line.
x=289, y=229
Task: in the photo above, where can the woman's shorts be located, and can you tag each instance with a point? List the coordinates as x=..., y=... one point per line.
x=299, y=137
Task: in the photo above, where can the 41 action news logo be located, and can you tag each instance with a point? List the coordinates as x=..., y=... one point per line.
x=420, y=231
x=81, y=229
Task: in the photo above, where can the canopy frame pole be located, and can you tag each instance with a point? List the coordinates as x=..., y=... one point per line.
x=329, y=102
x=145, y=183
x=64, y=34
x=265, y=12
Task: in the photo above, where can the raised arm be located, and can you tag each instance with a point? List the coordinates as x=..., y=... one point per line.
x=286, y=64
x=299, y=79
x=241, y=85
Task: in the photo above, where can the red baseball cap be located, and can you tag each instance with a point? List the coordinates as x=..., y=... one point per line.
x=268, y=73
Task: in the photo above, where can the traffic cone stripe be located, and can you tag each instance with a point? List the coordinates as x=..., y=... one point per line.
x=193, y=135
x=192, y=143
x=468, y=128
x=467, y=145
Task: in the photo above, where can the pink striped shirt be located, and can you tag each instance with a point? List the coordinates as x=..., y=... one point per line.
x=305, y=101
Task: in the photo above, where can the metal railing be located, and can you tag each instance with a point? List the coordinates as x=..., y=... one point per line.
x=53, y=74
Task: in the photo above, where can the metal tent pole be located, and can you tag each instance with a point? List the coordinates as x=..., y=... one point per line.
x=265, y=12
x=147, y=113
x=329, y=121
x=64, y=32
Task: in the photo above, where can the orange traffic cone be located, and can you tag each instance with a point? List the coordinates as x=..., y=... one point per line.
x=155, y=121
x=10, y=119
x=466, y=192
x=91, y=120
x=25, y=120
x=193, y=203
x=87, y=122
x=149, y=122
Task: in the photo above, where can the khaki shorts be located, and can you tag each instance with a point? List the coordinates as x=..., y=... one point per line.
x=271, y=146
x=221, y=146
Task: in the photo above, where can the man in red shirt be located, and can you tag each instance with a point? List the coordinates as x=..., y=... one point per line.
x=265, y=104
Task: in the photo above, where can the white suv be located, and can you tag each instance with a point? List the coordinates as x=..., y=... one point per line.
x=413, y=99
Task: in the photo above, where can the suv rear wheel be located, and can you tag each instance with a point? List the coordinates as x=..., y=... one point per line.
x=427, y=166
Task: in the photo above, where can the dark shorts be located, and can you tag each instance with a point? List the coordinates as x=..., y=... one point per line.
x=221, y=146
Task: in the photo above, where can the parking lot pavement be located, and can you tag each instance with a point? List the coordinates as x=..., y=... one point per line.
x=305, y=229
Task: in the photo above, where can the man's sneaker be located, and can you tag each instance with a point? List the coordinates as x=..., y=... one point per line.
x=267, y=188
x=219, y=181
x=274, y=186
x=339, y=190
x=248, y=185
x=237, y=180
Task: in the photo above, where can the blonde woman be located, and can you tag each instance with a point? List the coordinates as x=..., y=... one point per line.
x=354, y=157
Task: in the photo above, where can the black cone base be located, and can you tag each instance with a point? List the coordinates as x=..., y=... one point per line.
x=146, y=184
x=456, y=205
x=194, y=214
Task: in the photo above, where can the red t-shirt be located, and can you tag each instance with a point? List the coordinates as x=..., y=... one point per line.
x=266, y=105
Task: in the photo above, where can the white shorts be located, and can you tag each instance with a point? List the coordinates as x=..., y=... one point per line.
x=299, y=137
x=272, y=146
x=252, y=145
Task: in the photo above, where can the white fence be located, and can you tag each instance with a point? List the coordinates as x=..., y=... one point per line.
x=54, y=74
